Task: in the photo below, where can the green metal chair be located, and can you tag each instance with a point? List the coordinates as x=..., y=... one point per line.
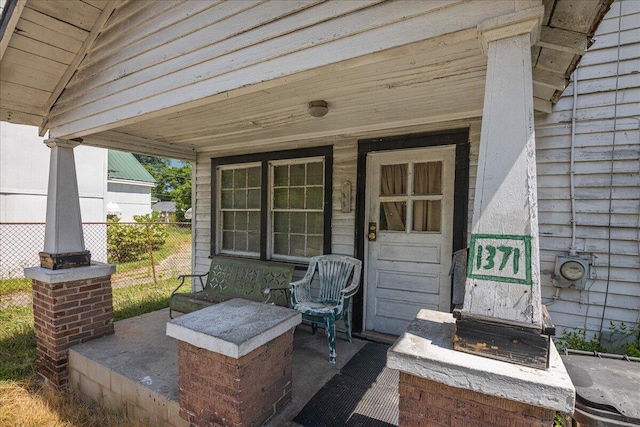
x=338, y=281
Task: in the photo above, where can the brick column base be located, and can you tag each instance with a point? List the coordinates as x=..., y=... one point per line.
x=66, y=314
x=428, y=403
x=217, y=390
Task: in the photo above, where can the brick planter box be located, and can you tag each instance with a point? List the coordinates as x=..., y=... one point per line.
x=428, y=403
x=442, y=387
x=235, y=362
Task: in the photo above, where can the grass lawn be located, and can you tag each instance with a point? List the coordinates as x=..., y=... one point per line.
x=8, y=286
x=24, y=402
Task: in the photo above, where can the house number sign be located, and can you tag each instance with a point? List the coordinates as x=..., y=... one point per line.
x=501, y=258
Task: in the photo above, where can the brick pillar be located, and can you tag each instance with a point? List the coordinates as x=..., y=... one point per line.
x=68, y=312
x=429, y=403
x=218, y=390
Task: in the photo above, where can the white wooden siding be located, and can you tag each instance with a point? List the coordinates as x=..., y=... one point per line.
x=607, y=192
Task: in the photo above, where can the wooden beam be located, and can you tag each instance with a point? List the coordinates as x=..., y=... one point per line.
x=549, y=79
x=508, y=341
x=71, y=69
x=135, y=144
x=13, y=116
x=563, y=40
x=7, y=30
x=542, y=105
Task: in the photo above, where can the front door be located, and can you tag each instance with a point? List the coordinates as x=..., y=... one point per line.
x=409, y=235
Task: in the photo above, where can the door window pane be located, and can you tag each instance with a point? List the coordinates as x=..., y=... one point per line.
x=393, y=216
x=427, y=178
x=393, y=180
x=427, y=215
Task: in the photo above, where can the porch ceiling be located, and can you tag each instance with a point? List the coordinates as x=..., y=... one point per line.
x=44, y=43
x=425, y=82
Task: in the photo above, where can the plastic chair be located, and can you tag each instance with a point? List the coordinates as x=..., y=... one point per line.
x=338, y=281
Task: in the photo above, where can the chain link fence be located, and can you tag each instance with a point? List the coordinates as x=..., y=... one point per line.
x=143, y=253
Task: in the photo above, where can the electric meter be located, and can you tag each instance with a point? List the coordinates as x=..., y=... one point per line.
x=571, y=272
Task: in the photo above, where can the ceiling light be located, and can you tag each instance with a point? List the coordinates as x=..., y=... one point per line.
x=318, y=108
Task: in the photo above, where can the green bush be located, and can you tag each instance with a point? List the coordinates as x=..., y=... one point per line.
x=620, y=339
x=158, y=232
x=576, y=339
x=127, y=242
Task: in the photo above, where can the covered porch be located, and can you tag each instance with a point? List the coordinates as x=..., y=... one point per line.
x=394, y=132
x=135, y=371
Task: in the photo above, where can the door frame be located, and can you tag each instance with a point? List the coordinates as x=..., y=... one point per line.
x=459, y=138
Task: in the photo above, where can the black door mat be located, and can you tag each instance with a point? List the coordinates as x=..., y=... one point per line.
x=363, y=394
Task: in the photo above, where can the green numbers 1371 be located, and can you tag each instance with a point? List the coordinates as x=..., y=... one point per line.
x=500, y=258
x=488, y=256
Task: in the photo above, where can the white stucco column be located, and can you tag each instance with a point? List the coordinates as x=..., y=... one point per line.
x=503, y=272
x=63, y=240
x=72, y=299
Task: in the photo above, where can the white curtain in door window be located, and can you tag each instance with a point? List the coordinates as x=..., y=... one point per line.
x=393, y=182
x=427, y=180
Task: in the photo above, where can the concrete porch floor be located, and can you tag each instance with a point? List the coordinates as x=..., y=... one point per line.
x=135, y=370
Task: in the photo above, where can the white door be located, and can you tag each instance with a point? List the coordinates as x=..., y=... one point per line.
x=410, y=233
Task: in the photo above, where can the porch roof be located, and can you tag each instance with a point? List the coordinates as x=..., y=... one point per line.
x=63, y=67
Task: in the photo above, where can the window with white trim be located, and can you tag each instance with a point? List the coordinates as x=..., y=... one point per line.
x=297, y=214
x=239, y=209
x=276, y=206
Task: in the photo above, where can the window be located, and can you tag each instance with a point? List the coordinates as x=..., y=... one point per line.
x=297, y=208
x=273, y=205
x=240, y=209
x=425, y=199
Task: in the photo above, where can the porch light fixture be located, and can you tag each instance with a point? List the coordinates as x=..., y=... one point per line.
x=318, y=108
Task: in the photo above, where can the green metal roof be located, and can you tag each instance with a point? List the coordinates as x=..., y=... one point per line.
x=125, y=166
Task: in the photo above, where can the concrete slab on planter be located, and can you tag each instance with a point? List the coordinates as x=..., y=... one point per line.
x=235, y=327
x=96, y=269
x=426, y=351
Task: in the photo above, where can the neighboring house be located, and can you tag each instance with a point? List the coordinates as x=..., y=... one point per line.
x=396, y=132
x=167, y=209
x=606, y=179
x=24, y=179
x=23, y=193
x=129, y=187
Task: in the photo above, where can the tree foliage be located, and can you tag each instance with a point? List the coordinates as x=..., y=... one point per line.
x=172, y=182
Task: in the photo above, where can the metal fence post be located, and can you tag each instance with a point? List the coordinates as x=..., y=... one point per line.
x=153, y=266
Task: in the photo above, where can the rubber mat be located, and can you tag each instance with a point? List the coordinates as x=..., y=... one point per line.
x=363, y=394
